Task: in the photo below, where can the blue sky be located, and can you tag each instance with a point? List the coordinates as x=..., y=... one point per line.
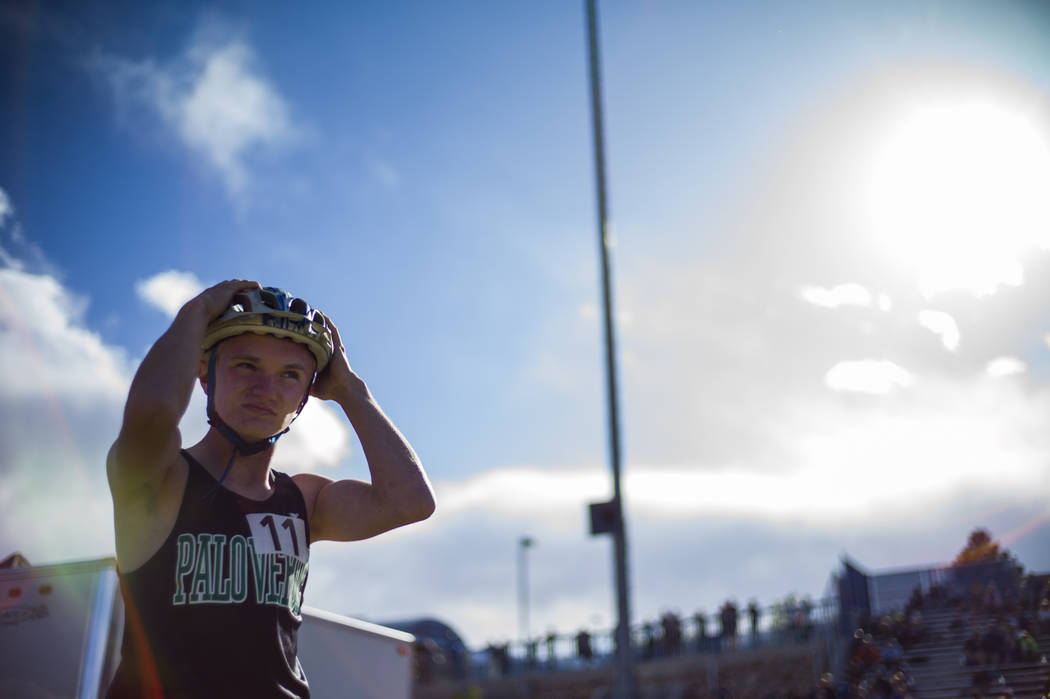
x=830, y=276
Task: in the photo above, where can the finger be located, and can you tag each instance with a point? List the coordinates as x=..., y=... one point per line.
x=337, y=343
x=244, y=284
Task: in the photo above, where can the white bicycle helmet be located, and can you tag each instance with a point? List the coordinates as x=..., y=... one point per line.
x=273, y=311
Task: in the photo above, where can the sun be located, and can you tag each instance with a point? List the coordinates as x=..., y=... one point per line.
x=959, y=191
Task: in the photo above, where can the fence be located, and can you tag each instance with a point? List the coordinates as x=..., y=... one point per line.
x=778, y=626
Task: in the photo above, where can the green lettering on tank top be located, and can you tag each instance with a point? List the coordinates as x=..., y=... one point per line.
x=221, y=578
x=296, y=582
x=200, y=588
x=238, y=568
x=259, y=567
x=183, y=566
x=275, y=583
x=291, y=568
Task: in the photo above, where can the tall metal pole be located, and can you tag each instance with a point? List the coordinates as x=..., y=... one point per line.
x=624, y=686
x=524, y=632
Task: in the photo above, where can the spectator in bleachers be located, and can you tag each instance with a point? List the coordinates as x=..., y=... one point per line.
x=1030, y=595
x=900, y=686
x=1025, y=622
x=892, y=655
x=915, y=601
x=981, y=683
x=583, y=646
x=993, y=599
x=752, y=612
x=1027, y=648
x=825, y=689
x=701, y=630
x=531, y=653
x=551, y=640
x=854, y=663
x=805, y=620
x=871, y=655
x=728, y=618
x=672, y=628
x=881, y=688
x=499, y=658
x=973, y=649
x=1044, y=615
x=649, y=638
x=993, y=644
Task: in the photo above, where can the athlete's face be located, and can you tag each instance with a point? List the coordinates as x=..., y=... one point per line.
x=261, y=381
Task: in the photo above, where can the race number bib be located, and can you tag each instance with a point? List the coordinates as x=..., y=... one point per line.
x=285, y=534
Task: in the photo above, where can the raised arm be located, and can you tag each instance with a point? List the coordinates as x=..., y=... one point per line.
x=399, y=492
x=149, y=441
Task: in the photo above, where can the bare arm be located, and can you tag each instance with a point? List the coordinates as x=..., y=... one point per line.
x=399, y=493
x=149, y=441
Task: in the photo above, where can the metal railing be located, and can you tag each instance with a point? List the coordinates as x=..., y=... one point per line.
x=556, y=652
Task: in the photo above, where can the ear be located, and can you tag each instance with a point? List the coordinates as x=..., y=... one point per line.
x=202, y=372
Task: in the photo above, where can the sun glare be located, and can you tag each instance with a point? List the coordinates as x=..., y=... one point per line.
x=959, y=192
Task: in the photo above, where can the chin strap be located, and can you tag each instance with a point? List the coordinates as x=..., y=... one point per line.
x=240, y=444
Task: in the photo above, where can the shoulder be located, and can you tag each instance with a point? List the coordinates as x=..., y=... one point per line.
x=145, y=519
x=310, y=486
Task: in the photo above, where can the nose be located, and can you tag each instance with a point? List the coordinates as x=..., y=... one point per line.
x=263, y=383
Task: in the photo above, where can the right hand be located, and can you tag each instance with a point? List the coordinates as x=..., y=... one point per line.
x=216, y=299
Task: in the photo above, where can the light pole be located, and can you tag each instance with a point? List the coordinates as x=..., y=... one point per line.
x=524, y=543
x=607, y=517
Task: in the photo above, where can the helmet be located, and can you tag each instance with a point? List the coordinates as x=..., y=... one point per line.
x=273, y=311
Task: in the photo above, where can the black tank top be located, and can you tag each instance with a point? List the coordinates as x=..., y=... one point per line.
x=216, y=611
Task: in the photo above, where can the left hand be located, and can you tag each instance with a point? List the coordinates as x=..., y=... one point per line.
x=337, y=378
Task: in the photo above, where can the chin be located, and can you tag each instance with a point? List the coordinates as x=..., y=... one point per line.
x=255, y=430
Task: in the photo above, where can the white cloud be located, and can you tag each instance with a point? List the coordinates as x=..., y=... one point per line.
x=47, y=349
x=6, y=210
x=215, y=100
x=1005, y=366
x=319, y=440
x=841, y=295
x=228, y=110
x=874, y=376
x=942, y=324
x=934, y=440
x=63, y=390
x=169, y=291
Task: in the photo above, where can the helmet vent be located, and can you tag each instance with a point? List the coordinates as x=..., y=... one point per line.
x=269, y=299
x=240, y=303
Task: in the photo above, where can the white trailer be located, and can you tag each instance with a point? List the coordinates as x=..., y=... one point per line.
x=61, y=627
x=346, y=657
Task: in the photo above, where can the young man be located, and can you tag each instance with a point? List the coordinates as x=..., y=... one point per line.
x=212, y=544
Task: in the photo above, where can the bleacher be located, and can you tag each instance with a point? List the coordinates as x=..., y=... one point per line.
x=781, y=663
x=937, y=670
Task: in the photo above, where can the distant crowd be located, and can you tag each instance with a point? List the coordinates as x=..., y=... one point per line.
x=1001, y=624
x=668, y=636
